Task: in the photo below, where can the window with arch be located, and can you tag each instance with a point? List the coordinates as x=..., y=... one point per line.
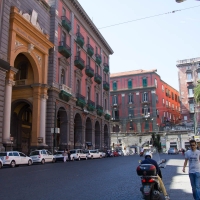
x=78, y=87
x=62, y=76
x=130, y=84
x=144, y=82
x=105, y=104
x=156, y=83
x=88, y=93
x=22, y=71
x=97, y=99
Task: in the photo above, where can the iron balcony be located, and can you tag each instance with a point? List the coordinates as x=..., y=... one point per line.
x=64, y=49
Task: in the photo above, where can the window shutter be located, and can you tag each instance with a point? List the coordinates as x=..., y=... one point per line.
x=116, y=99
x=131, y=97
x=114, y=85
x=142, y=110
x=129, y=84
x=148, y=110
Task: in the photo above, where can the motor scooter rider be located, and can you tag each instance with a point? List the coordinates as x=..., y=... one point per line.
x=149, y=160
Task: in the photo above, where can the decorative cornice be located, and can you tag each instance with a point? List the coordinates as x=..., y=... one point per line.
x=82, y=12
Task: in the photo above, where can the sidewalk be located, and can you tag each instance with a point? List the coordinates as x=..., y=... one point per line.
x=179, y=187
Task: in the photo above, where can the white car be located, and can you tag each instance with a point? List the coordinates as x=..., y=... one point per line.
x=94, y=154
x=13, y=158
x=77, y=154
x=1, y=163
x=42, y=156
x=102, y=153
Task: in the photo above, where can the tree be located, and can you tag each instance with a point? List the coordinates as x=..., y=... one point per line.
x=197, y=93
x=156, y=141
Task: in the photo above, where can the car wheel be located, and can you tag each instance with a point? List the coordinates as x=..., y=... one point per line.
x=43, y=161
x=12, y=164
x=29, y=162
x=91, y=157
x=79, y=158
x=100, y=156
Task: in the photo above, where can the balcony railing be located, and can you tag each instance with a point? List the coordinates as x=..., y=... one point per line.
x=65, y=93
x=66, y=88
x=98, y=58
x=89, y=71
x=107, y=114
x=80, y=39
x=79, y=62
x=145, y=101
x=97, y=78
x=106, y=86
x=90, y=105
x=66, y=23
x=99, y=110
x=90, y=50
x=106, y=67
x=64, y=49
x=80, y=100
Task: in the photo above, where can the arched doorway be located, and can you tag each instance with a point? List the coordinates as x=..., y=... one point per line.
x=106, y=137
x=97, y=136
x=78, y=140
x=61, y=139
x=88, y=133
x=21, y=125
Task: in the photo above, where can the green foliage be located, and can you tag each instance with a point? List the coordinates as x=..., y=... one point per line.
x=156, y=141
x=197, y=93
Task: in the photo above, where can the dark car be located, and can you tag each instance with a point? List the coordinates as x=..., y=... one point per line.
x=59, y=156
x=173, y=150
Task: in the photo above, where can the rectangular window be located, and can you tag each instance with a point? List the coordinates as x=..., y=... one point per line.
x=191, y=107
x=198, y=74
x=164, y=114
x=144, y=82
x=129, y=84
x=145, y=97
x=88, y=60
x=190, y=92
x=115, y=100
x=163, y=88
x=63, y=37
x=114, y=85
x=96, y=50
x=97, y=69
x=189, y=76
x=130, y=112
x=130, y=98
x=185, y=118
x=163, y=101
x=63, y=12
x=146, y=125
x=78, y=28
x=78, y=51
x=156, y=83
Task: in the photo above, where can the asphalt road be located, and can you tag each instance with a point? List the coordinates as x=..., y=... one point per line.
x=98, y=179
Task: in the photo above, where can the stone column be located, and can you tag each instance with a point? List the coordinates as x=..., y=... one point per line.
x=7, y=111
x=93, y=138
x=43, y=118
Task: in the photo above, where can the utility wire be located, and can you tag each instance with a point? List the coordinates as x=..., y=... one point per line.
x=139, y=19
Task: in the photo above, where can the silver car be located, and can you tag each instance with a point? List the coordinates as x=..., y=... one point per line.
x=173, y=150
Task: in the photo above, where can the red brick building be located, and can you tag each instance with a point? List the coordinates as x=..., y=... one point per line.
x=188, y=74
x=141, y=102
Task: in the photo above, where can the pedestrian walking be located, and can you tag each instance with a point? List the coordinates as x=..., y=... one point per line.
x=69, y=155
x=64, y=155
x=193, y=156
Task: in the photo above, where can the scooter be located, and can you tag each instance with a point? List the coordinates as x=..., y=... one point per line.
x=150, y=185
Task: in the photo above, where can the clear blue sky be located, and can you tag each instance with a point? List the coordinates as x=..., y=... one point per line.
x=151, y=43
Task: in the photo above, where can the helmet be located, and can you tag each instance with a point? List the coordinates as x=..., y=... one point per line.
x=148, y=155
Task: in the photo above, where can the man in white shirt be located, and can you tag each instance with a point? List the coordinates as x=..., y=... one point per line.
x=193, y=156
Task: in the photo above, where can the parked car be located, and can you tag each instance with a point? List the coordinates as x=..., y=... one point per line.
x=13, y=158
x=94, y=154
x=42, y=156
x=78, y=154
x=103, y=154
x=59, y=156
x=1, y=163
x=173, y=150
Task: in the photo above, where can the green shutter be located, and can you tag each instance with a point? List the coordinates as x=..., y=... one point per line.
x=129, y=84
x=146, y=125
x=144, y=82
x=114, y=85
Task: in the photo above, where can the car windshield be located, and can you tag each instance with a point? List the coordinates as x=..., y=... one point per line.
x=86, y=151
x=33, y=153
x=72, y=151
x=58, y=153
x=3, y=154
